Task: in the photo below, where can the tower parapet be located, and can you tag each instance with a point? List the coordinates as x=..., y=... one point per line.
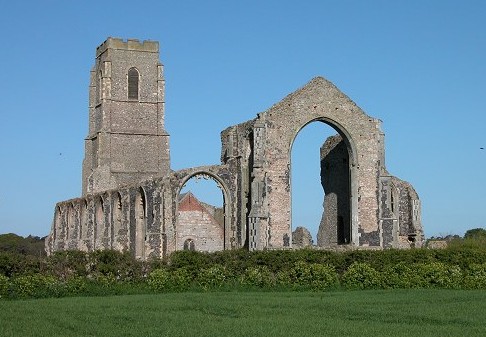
x=129, y=44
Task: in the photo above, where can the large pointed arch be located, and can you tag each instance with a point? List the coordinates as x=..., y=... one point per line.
x=339, y=229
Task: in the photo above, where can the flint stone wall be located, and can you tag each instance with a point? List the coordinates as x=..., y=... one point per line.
x=130, y=203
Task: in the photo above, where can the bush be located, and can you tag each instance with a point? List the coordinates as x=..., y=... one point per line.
x=76, y=285
x=212, y=277
x=163, y=280
x=191, y=261
x=160, y=280
x=313, y=275
x=181, y=279
x=110, y=272
x=258, y=276
x=401, y=275
x=67, y=264
x=475, y=277
x=13, y=264
x=104, y=281
x=35, y=285
x=361, y=276
x=122, y=266
x=4, y=285
x=439, y=275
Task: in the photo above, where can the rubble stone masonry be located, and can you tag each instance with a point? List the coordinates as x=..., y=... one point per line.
x=131, y=198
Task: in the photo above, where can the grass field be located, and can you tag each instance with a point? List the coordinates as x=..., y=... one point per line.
x=340, y=313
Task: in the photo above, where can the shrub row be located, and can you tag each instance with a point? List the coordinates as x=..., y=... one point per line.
x=110, y=272
x=302, y=276
x=124, y=267
x=276, y=260
x=315, y=276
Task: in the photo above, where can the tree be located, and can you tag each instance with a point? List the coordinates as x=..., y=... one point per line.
x=13, y=243
x=476, y=233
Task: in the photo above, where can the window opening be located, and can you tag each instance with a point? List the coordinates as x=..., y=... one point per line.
x=133, y=83
x=189, y=245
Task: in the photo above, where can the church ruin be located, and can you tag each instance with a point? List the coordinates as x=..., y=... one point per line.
x=131, y=198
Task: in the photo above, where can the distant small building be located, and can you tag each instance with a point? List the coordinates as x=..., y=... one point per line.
x=197, y=225
x=437, y=244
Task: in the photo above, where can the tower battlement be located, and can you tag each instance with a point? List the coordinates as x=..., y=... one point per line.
x=128, y=44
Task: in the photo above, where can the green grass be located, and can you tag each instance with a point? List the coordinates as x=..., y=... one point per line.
x=337, y=313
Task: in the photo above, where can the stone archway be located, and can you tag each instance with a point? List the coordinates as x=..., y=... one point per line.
x=213, y=173
x=275, y=131
x=334, y=231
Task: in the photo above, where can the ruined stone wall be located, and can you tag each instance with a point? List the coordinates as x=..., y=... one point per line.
x=237, y=155
x=400, y=214
x=274, y=133
x=335, y=226
x=301, y=238
x=140, y=218
x=131, y=197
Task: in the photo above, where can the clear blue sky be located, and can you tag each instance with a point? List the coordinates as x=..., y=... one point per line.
x=419, y=66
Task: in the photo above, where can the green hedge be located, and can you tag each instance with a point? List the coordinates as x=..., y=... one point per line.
x=108, y=272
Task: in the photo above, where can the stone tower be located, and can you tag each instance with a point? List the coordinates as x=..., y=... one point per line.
x=126, y=141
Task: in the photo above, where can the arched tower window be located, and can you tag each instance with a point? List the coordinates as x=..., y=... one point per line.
x=133, y=83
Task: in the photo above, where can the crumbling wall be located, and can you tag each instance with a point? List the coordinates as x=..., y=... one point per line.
x=237, y=154
x=400, y=218
x=130, y=195
x=274, y=132
x=301, y=238
x=139, y=218
x=335, y=226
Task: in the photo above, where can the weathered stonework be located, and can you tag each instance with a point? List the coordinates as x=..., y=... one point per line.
x=335, y=224
x=126, y=141
x=301, y=238
x=131, y=197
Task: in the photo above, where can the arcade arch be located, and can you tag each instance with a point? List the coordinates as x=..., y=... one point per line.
x=202, y=214
x=140, y=223
x=117, y=221
x=99, y=223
